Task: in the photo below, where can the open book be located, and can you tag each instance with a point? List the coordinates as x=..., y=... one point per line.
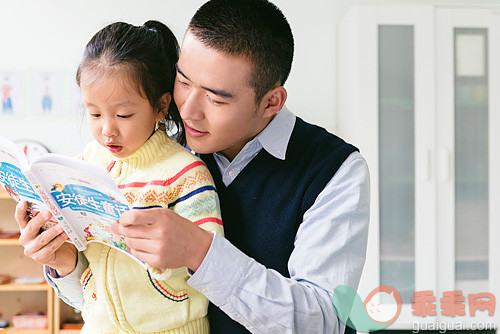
x=82, y=197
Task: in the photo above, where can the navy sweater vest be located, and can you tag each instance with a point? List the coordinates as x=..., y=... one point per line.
x=263, y=207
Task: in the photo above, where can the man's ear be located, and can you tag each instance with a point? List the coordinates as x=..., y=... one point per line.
x=165, y=101
x=273, y=101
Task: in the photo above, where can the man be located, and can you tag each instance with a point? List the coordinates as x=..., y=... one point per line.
x=294, y=198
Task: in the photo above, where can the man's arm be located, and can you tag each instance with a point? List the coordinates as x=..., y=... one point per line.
x=330, y=249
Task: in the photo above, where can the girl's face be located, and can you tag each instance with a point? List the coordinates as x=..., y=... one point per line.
x=119, y=117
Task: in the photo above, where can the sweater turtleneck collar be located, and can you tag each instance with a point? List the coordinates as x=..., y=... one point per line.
x=144, y=156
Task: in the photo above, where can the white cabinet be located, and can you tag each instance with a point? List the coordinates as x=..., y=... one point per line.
x=419, y=94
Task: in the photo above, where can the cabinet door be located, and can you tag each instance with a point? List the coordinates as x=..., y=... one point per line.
x=468, y=51
x=397, y=137
x=419, y=93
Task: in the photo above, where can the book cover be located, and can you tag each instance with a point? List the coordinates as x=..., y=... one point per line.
x=81, y=196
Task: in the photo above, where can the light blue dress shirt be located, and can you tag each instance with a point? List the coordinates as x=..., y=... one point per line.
x=329, y=250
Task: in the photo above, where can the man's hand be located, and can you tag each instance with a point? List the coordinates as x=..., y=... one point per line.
x=163, y=239
x=48, y=247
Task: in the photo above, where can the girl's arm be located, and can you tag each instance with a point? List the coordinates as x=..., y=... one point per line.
x=197, y=202
x=186, y=194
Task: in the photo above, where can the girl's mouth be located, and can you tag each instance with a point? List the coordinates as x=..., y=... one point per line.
x=114, y=148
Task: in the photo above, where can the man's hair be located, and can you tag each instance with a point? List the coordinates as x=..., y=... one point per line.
x=256, y=30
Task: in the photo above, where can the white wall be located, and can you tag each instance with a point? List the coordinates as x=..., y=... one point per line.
x=51, y=34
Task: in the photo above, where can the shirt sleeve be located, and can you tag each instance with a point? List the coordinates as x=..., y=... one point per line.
x=329, y=250
x=68, y=288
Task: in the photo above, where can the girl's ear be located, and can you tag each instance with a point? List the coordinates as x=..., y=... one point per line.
x=163, y=106
x=273, y=101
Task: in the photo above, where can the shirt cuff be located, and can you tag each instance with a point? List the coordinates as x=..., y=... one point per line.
x=68, y=288
x=52, y=276
x=220, y=272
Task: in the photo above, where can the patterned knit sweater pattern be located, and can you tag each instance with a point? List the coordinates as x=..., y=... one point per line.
x=120, y=296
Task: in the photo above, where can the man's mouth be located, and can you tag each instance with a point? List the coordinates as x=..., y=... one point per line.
x=193, y=132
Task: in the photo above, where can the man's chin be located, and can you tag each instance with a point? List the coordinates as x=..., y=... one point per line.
x=196, y=147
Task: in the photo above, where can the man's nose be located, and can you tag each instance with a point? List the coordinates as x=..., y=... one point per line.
x=192, y=108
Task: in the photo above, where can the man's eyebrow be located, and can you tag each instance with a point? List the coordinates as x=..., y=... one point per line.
x=219, y=92
x=179, y=71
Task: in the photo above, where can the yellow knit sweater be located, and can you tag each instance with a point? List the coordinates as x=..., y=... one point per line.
x=120, y=296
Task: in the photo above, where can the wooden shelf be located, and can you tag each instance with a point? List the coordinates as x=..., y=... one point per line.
x=40, y=294
x=9, y=242
x=25, y=287
x=3, y=194
x=12, y=330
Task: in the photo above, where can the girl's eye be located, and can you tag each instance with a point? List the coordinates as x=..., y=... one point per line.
x=182, y=83
x=95, y=115
x=125, y=116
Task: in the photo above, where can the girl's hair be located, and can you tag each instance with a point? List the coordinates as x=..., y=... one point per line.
x=148, y=53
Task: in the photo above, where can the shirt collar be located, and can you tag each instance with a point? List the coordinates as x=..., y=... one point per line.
x=274, y=139
x=276, y=135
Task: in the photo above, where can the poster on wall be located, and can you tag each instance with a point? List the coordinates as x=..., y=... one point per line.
x=11, y=93
x=47, y=93
x=75, y=96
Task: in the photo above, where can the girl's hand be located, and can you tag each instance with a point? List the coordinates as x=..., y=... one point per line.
x=48, y=247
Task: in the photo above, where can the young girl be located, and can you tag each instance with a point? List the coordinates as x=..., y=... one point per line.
x=126, y=79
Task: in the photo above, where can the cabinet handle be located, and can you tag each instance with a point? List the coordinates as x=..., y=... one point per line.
x=426, y=165
x=444, y=165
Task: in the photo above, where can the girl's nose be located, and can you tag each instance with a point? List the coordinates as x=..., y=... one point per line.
x=109, y=130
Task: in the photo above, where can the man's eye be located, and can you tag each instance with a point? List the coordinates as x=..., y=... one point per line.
x=182, y=83
x=217, y=103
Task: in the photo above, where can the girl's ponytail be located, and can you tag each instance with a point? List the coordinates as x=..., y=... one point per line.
x=170, y=44
x=171, y=48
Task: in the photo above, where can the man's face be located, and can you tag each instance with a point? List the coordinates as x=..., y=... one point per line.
x=215, y=99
